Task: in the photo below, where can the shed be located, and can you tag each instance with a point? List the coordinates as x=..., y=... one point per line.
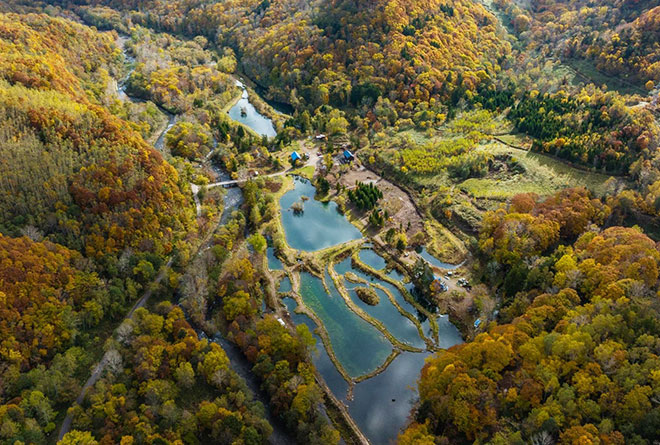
x=348, y=155
x=295, y=156
x=477, y=322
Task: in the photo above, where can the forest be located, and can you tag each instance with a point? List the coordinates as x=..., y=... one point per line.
x=574, y=355
x=516, y=142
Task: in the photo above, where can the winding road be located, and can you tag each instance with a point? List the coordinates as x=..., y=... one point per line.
x=100, y=366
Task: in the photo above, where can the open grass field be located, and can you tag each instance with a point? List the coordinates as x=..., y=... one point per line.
x=543, y=175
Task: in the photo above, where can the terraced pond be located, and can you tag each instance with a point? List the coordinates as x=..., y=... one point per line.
x=349, y=334
x=362, y=336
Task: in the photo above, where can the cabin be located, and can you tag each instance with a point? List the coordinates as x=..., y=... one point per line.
x=348, y=156
x=438, y=286
x=320, y=137
x=295, y=156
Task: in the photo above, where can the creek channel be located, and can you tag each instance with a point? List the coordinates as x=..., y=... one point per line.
x=232, y=199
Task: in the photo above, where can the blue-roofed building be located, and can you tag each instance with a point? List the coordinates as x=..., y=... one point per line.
x=348, y=156
x=477, y=322
x=295, y=156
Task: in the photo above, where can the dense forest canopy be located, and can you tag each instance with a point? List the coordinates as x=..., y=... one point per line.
x=575, y=356
x=523, y=135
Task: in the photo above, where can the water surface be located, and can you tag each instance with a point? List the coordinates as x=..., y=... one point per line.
x=319, y=225
x=349, y=334
x=382, y=404
x=274, y=263
x=433, y=261
x=320, y=357
x=285, y=285
x=252, y=118
x=395, y=323
x=371, y=258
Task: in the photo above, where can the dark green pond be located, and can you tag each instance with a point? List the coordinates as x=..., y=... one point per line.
x=319, y=225
x=350, y=335
x=321, y=359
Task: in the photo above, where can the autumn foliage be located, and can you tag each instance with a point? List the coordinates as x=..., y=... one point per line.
x=575, y=359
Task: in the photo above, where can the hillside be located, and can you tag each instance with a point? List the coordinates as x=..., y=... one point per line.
x=197, y=195
x=346, y=54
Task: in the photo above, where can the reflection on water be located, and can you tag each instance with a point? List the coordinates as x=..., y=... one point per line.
x=398, y=325
x=433, y=261
x=285, y=285
x=349, y=334
x=244, y=112
x=319, y=226
x=382, y=404
x=321, y=359
x=371, y=258
x=274, y=263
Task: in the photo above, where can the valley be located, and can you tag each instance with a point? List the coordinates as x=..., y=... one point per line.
x=329, y=222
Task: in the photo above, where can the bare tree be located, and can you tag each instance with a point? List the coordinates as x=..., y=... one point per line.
x=33, y=233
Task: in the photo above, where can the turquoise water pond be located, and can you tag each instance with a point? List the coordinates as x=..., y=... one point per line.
x=358, y=346
x=321, y=359
x=274, y=263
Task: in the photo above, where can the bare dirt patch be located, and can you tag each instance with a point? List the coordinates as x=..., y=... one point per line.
x=398, y=204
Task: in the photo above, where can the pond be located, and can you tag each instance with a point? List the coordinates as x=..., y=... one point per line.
x=321, y=359
x=349, y=334
x=397, y=276
x=274, y=263
x=381, y=405
x=319, y=225
x=371, y=258
x=285, y=285
x=433, y=261
x=245, y=113
x=399, y=326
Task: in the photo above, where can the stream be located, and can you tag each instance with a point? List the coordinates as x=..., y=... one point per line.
x=243, y=368
x=233, y=198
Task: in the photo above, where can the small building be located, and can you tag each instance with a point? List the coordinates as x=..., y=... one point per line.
x=438, y=286
x=477, y=322
x=348, y=156
x=295, y=156
x=320, y=137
